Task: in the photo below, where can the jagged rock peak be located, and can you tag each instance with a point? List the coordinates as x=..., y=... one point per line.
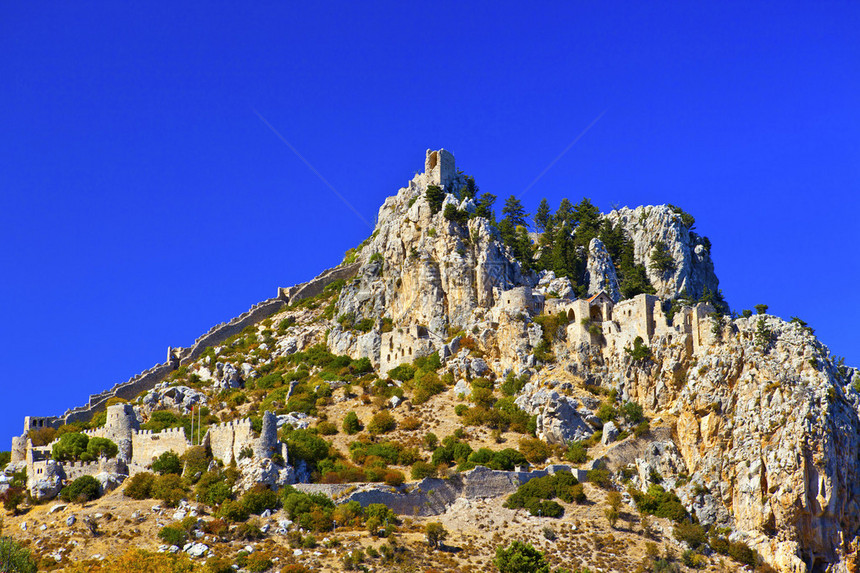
x=691, y=267
x=601, y=271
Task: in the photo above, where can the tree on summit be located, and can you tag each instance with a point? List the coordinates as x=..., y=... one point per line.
x=514, y=213
x=542, y=216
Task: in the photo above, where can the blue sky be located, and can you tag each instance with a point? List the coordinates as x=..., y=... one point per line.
x=143, y=200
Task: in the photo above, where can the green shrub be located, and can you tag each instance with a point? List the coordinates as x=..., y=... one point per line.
x=534, y=450
x=691, y=533
x=642, y=429
x=70, y=447
x=640, y=351
x=305, y=445
x=513, y=384
x=233, y=511
x=519, y=557
x=326, y=428
x=196, y=462
x=742, y=553
x=14, y=558
x=5, y=458
x=101, y=447
x=421, y=470
x=606, y=412
x=167, y=463
x=576, y=453
x=404, y=373
x=428, y=386
x=657, y=501
x=632, y=412
x=249, y=531
x=451, y=451
x=140, y=485
x=172, y=535
x=12, y=498
x=83, y=489
x=259, y=498
x=258, y=562
x=381, y=423
x=600, y=477
x=169, y=488
x=536, y=494
x=161, y=420
x=351, y=423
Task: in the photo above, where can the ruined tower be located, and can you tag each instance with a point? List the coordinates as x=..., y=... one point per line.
x=121, y=424
x=439, y=168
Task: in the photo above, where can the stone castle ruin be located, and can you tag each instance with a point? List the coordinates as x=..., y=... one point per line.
x=228, y=441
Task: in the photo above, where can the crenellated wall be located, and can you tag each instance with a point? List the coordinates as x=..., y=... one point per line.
x=227, y=440
x=147, y=444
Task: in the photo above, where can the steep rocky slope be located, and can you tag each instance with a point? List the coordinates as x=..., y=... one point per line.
x=748, y=420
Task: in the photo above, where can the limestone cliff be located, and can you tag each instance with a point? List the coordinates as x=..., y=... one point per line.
x=693, y=268
x=752, y=424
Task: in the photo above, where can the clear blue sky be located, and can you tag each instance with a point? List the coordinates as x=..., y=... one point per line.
x=143, y=200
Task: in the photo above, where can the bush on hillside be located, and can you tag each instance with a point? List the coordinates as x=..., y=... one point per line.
x=139, y=486
x=82, y=490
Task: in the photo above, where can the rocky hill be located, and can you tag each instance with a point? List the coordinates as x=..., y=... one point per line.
x=583, y=388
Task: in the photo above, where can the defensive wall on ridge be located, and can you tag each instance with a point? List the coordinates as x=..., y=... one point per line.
x=147, y=380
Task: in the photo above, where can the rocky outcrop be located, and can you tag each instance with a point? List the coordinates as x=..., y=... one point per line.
x=49, y=482
x=560, y=418
x=693, y=268
x=601, y=272
x=420, y=268
x=764, y=428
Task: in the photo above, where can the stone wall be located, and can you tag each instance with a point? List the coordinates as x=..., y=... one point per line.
x=227, y=440
x=147, y=444
x=403, y=345
x=74, y=470
x=432, y=496
x=315, y=286
x=147, y=380
x=221, y=332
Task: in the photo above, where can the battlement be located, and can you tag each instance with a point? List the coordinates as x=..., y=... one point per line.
x=80, y=465
x=232, y=424
x=168, y=432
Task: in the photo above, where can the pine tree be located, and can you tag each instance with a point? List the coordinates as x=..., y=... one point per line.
x=485, y=207
x=469, y=190
x=523, y=249
x=514, y=213
x=542, y=216
x=564, y=213
x=586, y=218
x=562, y=251
x=435, y=197
x=547, y=239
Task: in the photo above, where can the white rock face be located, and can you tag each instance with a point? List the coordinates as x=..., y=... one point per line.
x=645, y=226
x=197, y=550
x=558, y=419
x=549, y=285
x=421, y=269
x=601, y=271
x=49, y=483
x=263, y=471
